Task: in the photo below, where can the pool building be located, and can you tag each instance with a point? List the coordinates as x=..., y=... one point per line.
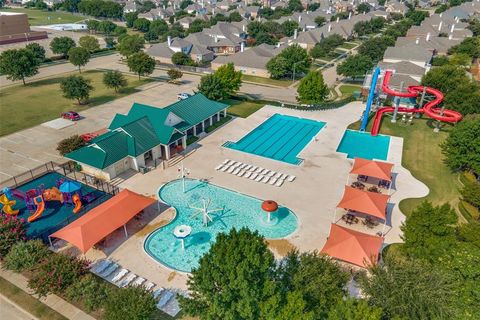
x=147, y=135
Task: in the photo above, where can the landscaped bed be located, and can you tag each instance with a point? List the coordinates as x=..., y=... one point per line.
x=40, y=101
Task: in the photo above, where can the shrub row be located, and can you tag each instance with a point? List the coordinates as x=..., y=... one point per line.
x=218, y=124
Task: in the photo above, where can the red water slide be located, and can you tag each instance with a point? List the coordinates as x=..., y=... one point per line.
x=430, y=108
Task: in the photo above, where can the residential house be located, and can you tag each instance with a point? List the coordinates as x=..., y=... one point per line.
x=437, y=45
x=412, y=53
x=147, y=135
x=396, y=7
x=130, y=6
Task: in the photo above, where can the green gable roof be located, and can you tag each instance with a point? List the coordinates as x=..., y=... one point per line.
x=196, y=108
x=142, y=136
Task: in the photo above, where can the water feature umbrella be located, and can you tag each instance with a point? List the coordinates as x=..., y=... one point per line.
x=269, y=206
x=70, y=187
x=181, y=232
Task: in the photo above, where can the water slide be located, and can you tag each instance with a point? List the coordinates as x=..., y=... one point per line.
x=77, y=202
x=7, y=205
x=430, y=109
x=40, y=208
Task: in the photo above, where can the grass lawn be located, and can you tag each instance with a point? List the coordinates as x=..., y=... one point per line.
x=347, y=89
x=242, y=108
x=348, y=45
x=26, y=106
x=423, y=157
x=27, y=302
x=41, y=17
x=262, y=80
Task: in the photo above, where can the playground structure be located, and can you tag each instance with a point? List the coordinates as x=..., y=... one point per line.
x=430, y=108
x=65, y=192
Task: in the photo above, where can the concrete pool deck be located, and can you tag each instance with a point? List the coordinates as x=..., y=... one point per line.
x=313, y=196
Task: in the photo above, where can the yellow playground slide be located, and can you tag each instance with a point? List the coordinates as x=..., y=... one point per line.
x=7, y=205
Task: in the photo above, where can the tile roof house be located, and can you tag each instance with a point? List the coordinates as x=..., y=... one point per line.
x=147, y=135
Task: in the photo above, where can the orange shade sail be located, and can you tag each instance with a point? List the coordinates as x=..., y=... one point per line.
x=371, y=203
x=99, y=222
x=351, y=246
x=370, y=168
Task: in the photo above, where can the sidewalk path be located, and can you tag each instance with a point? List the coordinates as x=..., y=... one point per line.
x=53, y=301
x=10, y=310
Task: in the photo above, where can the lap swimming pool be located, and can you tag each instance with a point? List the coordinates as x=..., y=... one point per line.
x=358, y=144
x=280, y=137
x=237, y=211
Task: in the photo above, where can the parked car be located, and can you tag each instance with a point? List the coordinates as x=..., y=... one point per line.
x=71, y=115
x=183, y=95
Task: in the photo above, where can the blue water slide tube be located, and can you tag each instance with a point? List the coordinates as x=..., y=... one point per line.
x=371, y=94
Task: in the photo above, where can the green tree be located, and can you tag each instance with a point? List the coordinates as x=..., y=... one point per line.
x=79, y=57
x=141, y=24
x=375, y=47
x=462, y=146
x=326, y=46
x=355, y=66
x=37, y=50
x=362, y=28
x=232, y=279
x=174, y=74
x=12, y=231
x=470, y=232
x=89, y=43
x=232, y=80
x=76, y=87
x=197, y=25
x=469, y=46
x=417, y=16
x=235, y=17
x=92, y=292
x=363, y=8
x=114, y=79
x=293, y=59
x=212, y=87
x=181, y=59
x=25, y=255
x=160, y=27
x=354, y=309
x=312, y=89
x=295, y=5
x=150, y=36
x=409, y=290
x=61, y=45
x=141, y=63
x=320, y=21
x=106, y=27
x=130, y=44
x=18, y=64
x=130, y=18
x=70, y=144
x=461, y=59
x=264, y=37
x=92, y=25
x=289, y=27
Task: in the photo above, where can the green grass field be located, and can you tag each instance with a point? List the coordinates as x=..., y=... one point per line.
x=349, y=89
x=44, y=17
x=242, y=108
x=26, y=106
x=423, y=157
x=262, y=80
x=348, y=45
x=27, y=302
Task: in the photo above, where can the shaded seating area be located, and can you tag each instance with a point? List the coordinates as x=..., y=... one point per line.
x=104, y=219
x=365, y=206
x=376, y=173
x=352, y=246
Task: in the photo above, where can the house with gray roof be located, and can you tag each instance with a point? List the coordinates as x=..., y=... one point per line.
x=407, y=68
x=437, y=45
x=411, y=53
x=147, y=135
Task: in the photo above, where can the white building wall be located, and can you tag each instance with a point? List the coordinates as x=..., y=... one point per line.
x=157, y=152
x=105, y=174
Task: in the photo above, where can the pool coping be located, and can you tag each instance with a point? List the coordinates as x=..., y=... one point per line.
x=176, y=214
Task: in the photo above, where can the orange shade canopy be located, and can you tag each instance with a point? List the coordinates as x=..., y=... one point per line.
x=371, y=168
x=371, y=203
x=355, y=247
x=99, y=222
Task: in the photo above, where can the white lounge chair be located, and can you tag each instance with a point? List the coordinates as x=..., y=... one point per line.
x=254, y=168
x=247, y=174
x=265, y=179
x=241, y=173
x=138, y=282
x=149, y=286
x=260, y=177
x=233, y=163
x=158, y=292
x=220, y=166
x=225, y=167
x=271, y=173
x=265, y=171
x=120, y=275
x=165, y=299
x=291, y=178
x=279, y=183
x=109, y=270
x=253, y=176
x=230, y=170
x=236, y=171
x=226, y=161
x=127, y=280
x=272, y=181
x=278, y=175
x=284, y=176
x=248, y=167
x=259, y=169
x=101, y=266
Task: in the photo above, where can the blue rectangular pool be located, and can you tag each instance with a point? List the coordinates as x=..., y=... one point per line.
x=280, y=138
x=358, y=144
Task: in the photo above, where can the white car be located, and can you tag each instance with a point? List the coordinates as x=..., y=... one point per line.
x=183, y=96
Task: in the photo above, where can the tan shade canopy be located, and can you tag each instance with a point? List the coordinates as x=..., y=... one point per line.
x=99, y=222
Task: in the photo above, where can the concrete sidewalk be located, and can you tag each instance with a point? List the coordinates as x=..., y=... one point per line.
x=53, y=301
x=11, y=310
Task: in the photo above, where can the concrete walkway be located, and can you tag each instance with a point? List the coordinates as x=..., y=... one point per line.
x=53, y=301
x=11, y=310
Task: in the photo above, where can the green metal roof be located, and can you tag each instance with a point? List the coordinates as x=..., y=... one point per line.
x=142, y=136
x=196, y=108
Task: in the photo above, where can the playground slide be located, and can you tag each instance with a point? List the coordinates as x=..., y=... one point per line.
x=430, y=108
x=77, y=202
x=40, y=208
x=52, y=194
x=7, y=205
